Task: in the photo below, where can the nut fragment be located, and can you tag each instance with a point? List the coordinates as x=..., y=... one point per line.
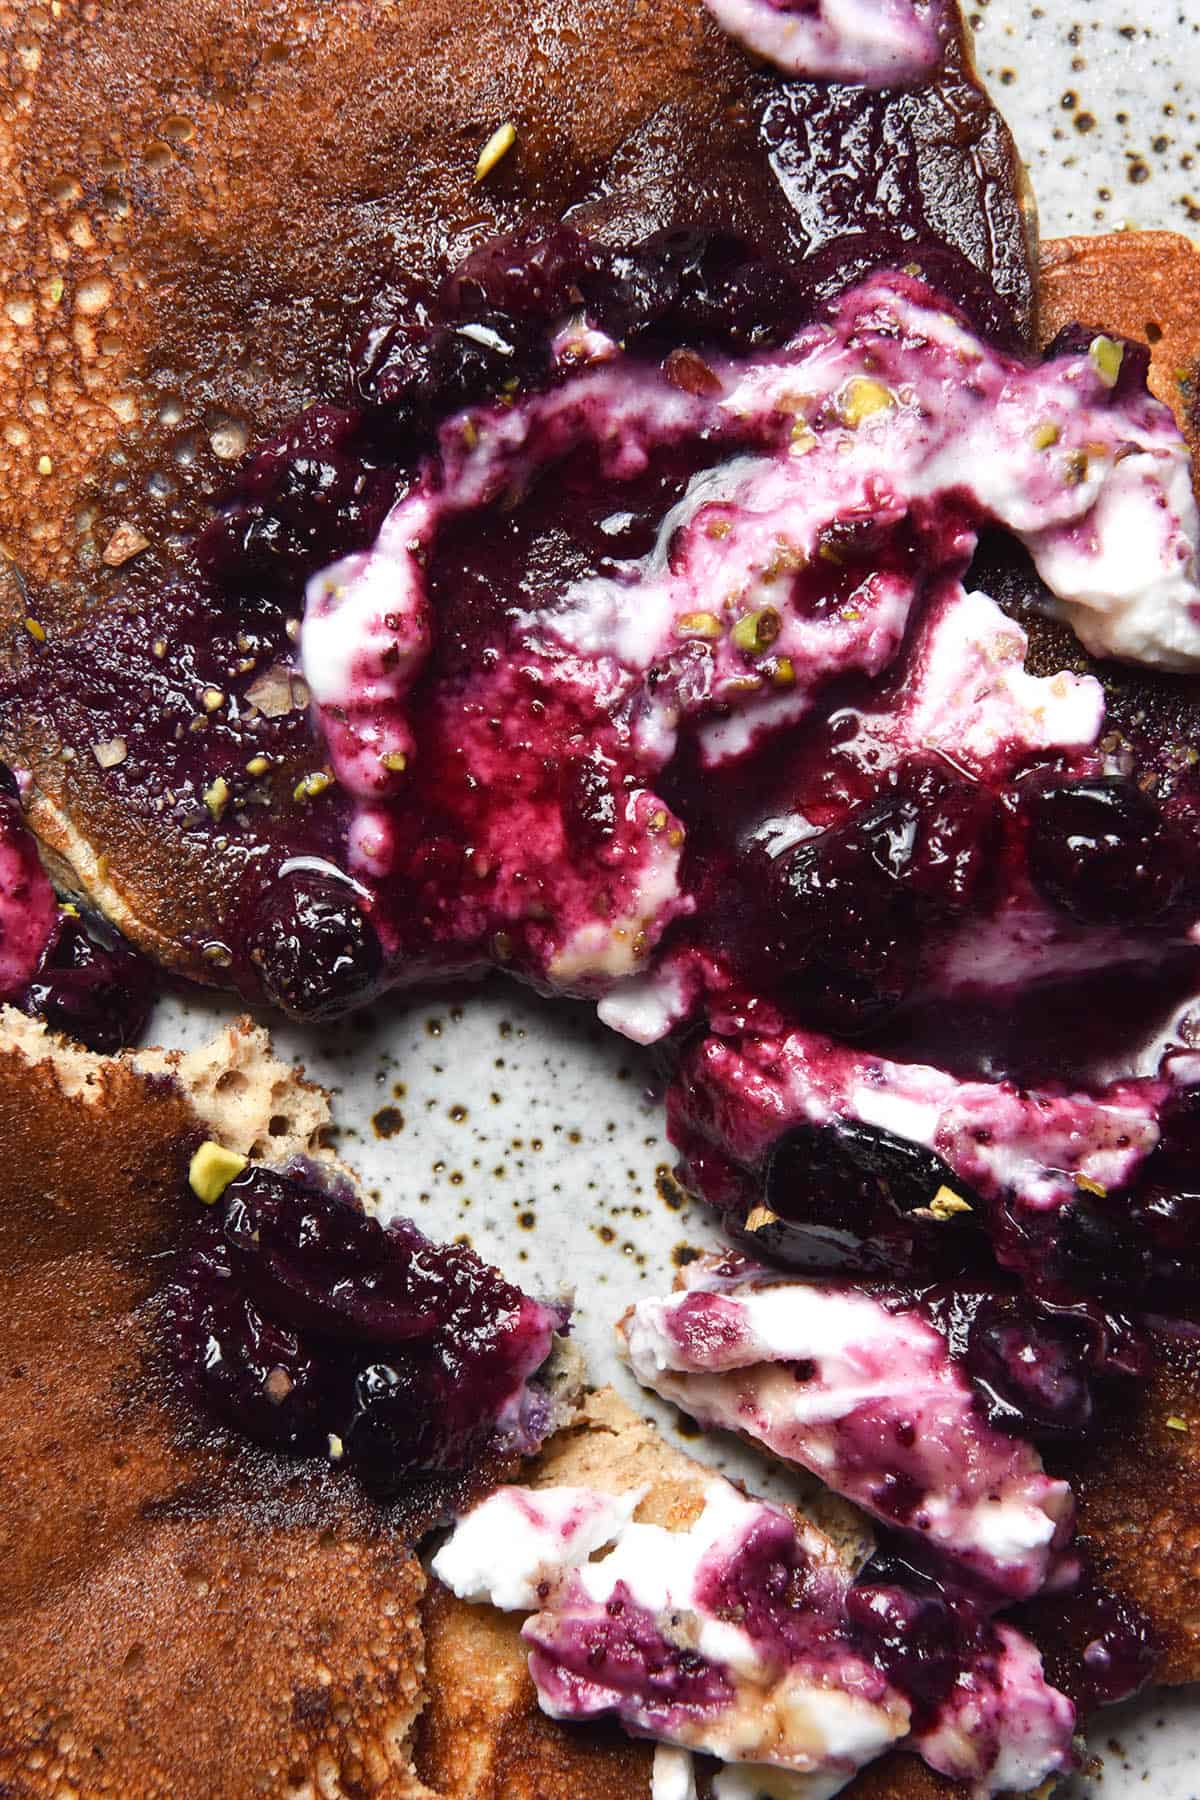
x=759, y=1216
x=946, y=1204
x=278, y=1385
x=211, y=1170
x=309, y=786
x=497, y=147
x=110, y=752
x=126, y=542
x=1107, y=356
x=861, y=397
x=691, y=374
x=698, y=625
x=755, y=632
x=216, y=797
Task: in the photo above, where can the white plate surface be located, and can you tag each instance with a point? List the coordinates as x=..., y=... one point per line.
x=530, y=1129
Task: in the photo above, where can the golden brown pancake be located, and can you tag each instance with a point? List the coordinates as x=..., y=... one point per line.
x=181, y=1615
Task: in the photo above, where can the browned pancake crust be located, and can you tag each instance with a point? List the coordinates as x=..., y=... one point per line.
x=178, y=1615
x=483, y=1736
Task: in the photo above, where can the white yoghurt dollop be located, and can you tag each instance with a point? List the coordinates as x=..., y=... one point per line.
x=879, y=43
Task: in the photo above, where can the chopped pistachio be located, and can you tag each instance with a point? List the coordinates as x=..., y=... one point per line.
x=212, y=699
x=656, y=821
x=1175, y=1423
x=502, y=946
x=675, y=837
x=946, y=1204
x=220, y=955
x=719, y=528
x=783, y=675
x=756, y=631
x=1091, y=1187
x=802, y=439
x=497, y=147
x=1044, y=437
x=36, y=631
x=110, y=752
x=396, y=761
x=758, y=1216
x=1107, y=356
x=258, y=765
x=54, y=291
x=159, y=648
x=862, y=397
x=698, y=625
x=45, y=466
x=211, y=1170
x=336, y=1447
x=216, y=796
x=309, y=786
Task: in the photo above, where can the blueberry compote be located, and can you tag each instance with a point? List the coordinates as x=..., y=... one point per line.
x=304, y=1323
x=61, y=965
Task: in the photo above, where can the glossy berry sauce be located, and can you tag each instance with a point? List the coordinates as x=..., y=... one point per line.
x=69, y=969
x=316, y=1331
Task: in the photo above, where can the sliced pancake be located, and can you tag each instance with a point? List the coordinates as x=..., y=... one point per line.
x=482, y=1735
x=181, y=1614
x=197, y=201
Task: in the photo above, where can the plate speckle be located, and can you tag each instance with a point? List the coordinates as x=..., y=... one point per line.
x=1104, y=100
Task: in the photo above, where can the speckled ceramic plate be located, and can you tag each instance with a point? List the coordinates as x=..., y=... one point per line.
x=527, y=1127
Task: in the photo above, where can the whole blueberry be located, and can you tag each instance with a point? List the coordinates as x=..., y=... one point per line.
x=316, y=952
x=1032, y=1370
x=93, y=986
x=1100, y=849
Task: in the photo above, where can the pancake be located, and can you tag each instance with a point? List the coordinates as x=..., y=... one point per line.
x=181, y=1613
